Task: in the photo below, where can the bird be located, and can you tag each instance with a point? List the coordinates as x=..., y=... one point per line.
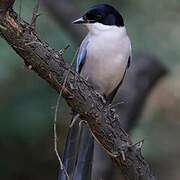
x=104, y=56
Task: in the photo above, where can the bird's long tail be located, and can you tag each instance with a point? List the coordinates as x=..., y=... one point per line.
x=78, y=153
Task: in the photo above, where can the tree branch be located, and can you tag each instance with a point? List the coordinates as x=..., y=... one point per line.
x=80, y=96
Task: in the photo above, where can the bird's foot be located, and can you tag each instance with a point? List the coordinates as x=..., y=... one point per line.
x=103, y=99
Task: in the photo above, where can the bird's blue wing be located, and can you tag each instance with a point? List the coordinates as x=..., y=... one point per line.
x=78, y=153
x=82, y=54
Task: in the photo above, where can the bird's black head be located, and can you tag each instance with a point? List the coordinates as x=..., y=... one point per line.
x=102, y=13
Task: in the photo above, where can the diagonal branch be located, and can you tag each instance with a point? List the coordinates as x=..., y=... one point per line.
x=80, y=96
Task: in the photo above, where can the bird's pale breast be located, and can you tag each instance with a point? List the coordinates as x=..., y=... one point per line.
x=106, y=60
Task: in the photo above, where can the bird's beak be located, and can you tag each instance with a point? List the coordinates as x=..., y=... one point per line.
x=79, y=21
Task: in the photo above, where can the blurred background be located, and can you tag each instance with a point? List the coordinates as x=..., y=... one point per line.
x=27, y=103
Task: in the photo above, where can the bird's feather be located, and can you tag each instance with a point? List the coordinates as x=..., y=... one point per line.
x=130, y=58
x=82, y=54
x=77, y=158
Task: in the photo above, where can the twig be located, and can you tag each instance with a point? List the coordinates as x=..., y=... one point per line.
x=139, y=144
x=62, y=51
x=55, y=119
x=35, y=14
x=117, y=104
x=19, y=17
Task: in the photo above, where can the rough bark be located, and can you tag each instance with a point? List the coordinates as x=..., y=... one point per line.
x=80, y=96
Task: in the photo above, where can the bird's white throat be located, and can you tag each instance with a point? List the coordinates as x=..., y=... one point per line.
x=96, y=28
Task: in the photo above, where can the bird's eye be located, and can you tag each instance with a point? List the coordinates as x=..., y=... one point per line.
x=99, y=16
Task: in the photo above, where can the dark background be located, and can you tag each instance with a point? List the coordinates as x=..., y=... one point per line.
x=27, y=103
